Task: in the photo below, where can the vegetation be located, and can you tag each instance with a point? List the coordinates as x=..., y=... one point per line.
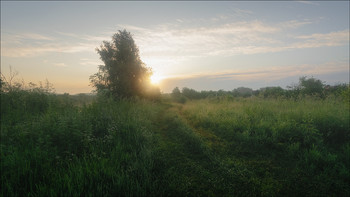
x=85, y=145
x=269, y=142
x=297, y=148
x=307, y=87
x=123, y=74
x=51, y=147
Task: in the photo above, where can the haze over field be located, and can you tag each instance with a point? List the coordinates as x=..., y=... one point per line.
x=201, y=45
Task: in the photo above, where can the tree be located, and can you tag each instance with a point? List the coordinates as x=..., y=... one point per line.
x=123, y=74
x=176, y=92
x=190, y=93
x=273, y=92
x=242, y=91
x=177, y=96
x=311, y=86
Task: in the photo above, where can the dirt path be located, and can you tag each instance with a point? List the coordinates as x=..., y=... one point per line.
x=187, y=161
x=215, y=143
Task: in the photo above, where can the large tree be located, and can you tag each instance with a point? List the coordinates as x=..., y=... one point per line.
x=123, y=74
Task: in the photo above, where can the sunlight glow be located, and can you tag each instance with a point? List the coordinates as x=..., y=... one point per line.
x=155, y=79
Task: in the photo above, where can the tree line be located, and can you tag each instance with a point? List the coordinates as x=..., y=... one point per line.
x=306, y=87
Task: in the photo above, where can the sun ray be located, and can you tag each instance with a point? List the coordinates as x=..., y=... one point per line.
x=155, y=79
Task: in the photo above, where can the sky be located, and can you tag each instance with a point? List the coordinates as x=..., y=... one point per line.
x=204, y=45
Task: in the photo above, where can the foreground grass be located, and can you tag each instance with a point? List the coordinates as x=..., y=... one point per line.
x=103, y=149
x=288, y=147
x=213, y=147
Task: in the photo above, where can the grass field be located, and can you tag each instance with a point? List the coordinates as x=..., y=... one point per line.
x=61, y=145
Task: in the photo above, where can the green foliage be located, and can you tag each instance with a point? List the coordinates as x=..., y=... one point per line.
x=242, y=92
x=20, y=101
x=190, y=93
x=345, y=94
x=272, y=92
x=307, y=87
x=311, y=86
x=82, y=145
x=103, y=148
x=177, y=96
x=290, y=147
x=176, y=92
x=123, y=74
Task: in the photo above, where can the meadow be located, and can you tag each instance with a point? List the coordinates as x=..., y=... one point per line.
x=88, y=145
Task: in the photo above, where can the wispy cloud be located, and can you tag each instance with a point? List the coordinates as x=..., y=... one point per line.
x=250, y=76
x=182, y=42
x=320, y=40
x=15, y=37
x=31, y=51
x=60, y=64
x=308, y=2
x=11, y=39
x=203, y=41
x=33, y=44
x=35, y=36
x=244, y=37
x=295, y=23
x=272, y=73
x=87, y=62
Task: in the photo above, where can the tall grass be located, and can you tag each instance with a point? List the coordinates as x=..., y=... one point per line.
x=61, y=145
x=302, y=144
x=55, y=148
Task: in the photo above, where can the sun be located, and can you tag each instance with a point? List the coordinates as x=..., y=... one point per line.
x=155, y=79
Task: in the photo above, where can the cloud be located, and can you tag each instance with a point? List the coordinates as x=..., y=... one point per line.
x=293, y=24
x=228, y=39
x=252, y=77
x=60, y=64
x=308, y=2
x=272, y=73
x=241, y=12
x=239, y=27
x=87, y=62
x=25, y=36
x=68, y=34
x=181, y=42
x=31, y=51
x=10, y=38
x=337, y=38
x=35, y=36
x=33, y=44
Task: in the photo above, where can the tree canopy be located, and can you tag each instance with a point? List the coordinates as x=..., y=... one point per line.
x=311, y=85
x=123, y=74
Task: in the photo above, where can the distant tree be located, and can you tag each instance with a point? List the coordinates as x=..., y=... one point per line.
x=176, y=92
x=335, y=90
x=123, y=74
x=242, y=91
x=256, y=92
x=221, y=92
x=273, y=92
x=190, y=93
x=177, y=96
x=311, y=86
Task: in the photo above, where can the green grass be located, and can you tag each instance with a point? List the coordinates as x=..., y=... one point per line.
x=290, y=147
x=101, y=149
x=61, y=145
